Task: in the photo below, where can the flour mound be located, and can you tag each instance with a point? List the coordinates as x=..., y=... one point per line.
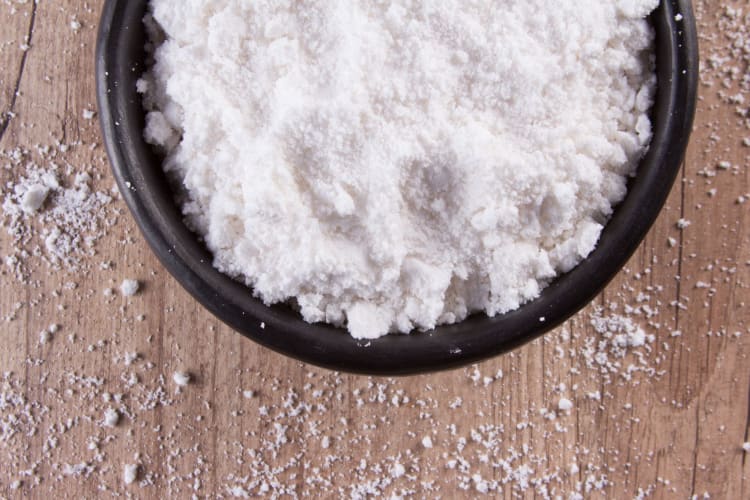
x=391, y=166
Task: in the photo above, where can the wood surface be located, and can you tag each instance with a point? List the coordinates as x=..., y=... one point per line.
x=671, y=428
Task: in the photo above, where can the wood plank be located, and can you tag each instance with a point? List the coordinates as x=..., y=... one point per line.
x=673, y=427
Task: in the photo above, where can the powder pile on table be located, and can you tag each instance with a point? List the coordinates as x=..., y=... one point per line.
x=391, y=166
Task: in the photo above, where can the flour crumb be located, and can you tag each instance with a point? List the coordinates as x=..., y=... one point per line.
x=130, y=473
x=565, y=404
x=34, y=198
x=238, y=492
x=129, y=287
x=181, y=379
x=44, y=337
x=111, y=417
x=397, y=470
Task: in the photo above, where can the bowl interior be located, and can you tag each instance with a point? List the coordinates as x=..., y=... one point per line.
x=121, y=61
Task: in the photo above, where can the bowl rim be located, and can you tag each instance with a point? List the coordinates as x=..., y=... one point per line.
x=137, y=170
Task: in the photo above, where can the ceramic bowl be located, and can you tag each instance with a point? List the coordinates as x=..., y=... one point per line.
x=120, y=62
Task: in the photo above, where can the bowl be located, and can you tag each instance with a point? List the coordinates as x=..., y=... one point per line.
x=120, y=61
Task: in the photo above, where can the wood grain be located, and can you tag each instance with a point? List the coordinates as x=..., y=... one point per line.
x=673, y=428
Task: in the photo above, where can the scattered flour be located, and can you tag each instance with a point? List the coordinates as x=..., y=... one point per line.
x=392, y=166
x=51, y=211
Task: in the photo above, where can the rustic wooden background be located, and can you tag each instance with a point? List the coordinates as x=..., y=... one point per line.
x=667, y=420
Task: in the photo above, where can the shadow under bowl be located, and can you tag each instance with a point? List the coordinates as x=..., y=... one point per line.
x=120, y=61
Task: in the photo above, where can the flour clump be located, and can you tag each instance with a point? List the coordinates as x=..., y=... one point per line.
x=397, y=165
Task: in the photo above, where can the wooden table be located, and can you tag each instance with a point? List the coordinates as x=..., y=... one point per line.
x=667, y=420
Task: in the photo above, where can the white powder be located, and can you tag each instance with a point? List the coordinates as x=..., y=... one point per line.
x=181, y=379
x=397, y=470
x=50, y=210
x=130, y=473
x=33, y=198
x=129, y=287
x=111, y=417
x=564, y=404
x=397, y=165
x=44, y=336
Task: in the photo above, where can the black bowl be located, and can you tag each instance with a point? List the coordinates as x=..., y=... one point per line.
x=120, y=61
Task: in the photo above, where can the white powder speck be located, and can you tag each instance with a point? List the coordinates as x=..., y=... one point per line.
x=111, y=417
x=248, y=394
x=130, y=473
x=480, y=484
x=130, y=357
x=238, y=492
x=398, y=174
x=397, y=470
x=181, y=378
x=427, y=442
x=33, y=198
x=595, y=395
x=564, y=404
x=44, y=336
x=746, y=447
x=129, y=287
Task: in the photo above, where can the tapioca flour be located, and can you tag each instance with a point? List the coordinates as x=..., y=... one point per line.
x=396, y=165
